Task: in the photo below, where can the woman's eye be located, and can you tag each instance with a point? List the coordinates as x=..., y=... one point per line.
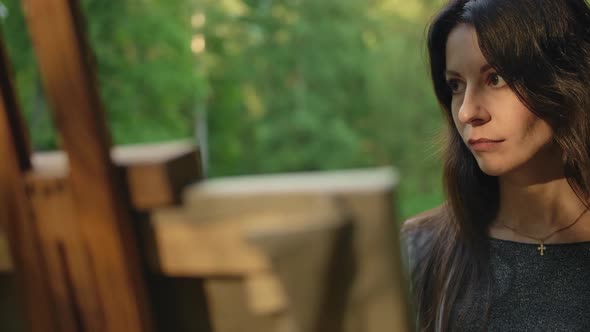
x=496, y=80
x=456, y=86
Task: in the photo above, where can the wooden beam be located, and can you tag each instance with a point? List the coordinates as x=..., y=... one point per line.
x=104, y=215
x=72, y=279
x=155, y=173
x=184, y=246
x=15, y=215
x=209, y=249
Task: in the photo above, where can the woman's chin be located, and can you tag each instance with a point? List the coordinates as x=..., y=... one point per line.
x=492, y=168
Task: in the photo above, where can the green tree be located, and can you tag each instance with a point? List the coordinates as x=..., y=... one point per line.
x=149, y=80
x=305, y=85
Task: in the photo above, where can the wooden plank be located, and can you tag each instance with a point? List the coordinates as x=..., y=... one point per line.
x=70, y=269
x=306, y=257
x=155, y=173
x=182, y=247
x=366, y=180
x=187, y=245
x=174, y=164
x=65, y=61
x=379, y=287
x=160, y=182
x=266, y=294
x=211, y=249
x=5, y=259
x=15, y=215
x=228, y=305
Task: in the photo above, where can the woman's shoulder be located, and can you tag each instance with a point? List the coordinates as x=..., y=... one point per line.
x=423, y=223
x=417, y=232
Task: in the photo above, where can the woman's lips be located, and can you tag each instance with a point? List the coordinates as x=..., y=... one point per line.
x=484, y=144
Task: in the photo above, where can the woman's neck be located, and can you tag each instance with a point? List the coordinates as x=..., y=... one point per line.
x=536, y=205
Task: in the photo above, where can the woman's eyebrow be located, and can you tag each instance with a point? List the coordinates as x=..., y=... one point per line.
x=452, y=73
x=482, y=70
x=485, y=68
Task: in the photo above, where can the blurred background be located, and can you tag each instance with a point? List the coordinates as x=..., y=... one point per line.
x=265, y=86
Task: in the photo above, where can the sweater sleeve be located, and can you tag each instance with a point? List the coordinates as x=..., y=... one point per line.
x=413, y=241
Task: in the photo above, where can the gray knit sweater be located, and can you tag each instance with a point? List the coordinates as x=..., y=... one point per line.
x=529, y=292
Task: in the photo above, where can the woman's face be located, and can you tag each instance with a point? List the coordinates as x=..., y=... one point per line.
x=500, y=131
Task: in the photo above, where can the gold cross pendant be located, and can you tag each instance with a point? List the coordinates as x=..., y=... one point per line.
x=541, y=249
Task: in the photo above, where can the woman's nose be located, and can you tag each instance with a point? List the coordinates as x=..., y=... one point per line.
x=472, y=110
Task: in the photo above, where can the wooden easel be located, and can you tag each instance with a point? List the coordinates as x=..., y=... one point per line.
x=109, y=238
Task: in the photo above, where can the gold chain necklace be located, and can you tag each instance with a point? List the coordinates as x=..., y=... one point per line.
x=541, y=248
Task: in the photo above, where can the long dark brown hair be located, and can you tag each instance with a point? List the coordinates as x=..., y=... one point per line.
x=542, y=50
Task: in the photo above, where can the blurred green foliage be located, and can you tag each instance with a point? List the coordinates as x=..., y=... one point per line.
x=148, y=77
x=286, y=85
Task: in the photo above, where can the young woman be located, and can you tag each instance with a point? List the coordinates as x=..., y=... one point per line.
x=510, y=248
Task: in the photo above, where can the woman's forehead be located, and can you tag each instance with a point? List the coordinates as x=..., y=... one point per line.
x=462, y=51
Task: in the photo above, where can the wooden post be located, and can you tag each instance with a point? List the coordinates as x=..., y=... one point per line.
x=15, y=215
x=98, y=194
